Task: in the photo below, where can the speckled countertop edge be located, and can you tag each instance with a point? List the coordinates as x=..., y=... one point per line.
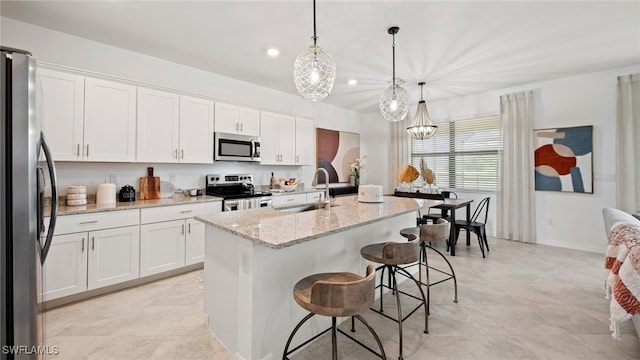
x=265, y=226
x=138, y=204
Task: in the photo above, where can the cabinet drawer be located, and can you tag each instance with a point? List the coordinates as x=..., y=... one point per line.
x=96, y=221
x=177, y=212
x=277, y=200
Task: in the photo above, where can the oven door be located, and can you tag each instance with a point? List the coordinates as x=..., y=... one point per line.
x=247, y=203
x=231, y=147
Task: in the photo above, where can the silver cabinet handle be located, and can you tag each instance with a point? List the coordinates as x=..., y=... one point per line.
x=185, y=211
x=297, y=158
x=82, y=244
x=87, y=150
x=182, y=229
x=78, y=150
x=93, y=243
x=175, y=153
x=237, y=127
x=189, y=228
x=89, y=222
x=241, y=127
x=182, y=154
x=290, y=199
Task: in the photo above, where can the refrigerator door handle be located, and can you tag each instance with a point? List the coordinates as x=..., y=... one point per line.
x=44, y=248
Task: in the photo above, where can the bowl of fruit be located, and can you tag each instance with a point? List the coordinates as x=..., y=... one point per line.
x=287, y=184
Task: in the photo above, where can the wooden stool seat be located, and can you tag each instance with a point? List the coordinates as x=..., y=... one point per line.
x=392, y=253
x=310, y=293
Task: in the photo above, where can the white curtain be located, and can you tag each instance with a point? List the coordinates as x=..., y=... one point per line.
x=628, y=151
x=515, y=199
x=400, y=148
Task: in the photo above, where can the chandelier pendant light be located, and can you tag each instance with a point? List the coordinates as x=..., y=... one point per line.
x=314, y=70
x=394, y=102
x=422, y=127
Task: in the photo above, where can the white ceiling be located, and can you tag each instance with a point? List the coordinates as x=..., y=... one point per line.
x=458, y=48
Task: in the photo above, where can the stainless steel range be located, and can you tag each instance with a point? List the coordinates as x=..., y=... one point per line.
x=237, y=190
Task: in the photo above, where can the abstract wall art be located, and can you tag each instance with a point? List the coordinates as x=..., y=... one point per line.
x=336, y=150
x=564, y=159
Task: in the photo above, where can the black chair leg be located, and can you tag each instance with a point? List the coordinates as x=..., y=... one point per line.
x=484, y=235
x=478, y=233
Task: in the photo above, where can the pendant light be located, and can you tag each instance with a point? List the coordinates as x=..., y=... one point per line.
x=394, y=102
x=422, y=127
x=314, y=71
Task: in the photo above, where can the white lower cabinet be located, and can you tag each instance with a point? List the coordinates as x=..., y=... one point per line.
x=65, y=270
x=194, y=242
x=171, y=238
x=93, y=250
x=114, y=256
x=89, y=260
x=161, y=247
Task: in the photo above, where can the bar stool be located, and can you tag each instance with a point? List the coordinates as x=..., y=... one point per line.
x=429, y=233
x=391, y=255
x=337, y=295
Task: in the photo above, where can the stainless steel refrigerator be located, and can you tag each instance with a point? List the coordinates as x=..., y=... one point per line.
x=26, y=168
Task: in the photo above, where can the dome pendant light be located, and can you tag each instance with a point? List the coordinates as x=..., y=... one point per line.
x=314, y=71
x=422, y=127
x=394, y=102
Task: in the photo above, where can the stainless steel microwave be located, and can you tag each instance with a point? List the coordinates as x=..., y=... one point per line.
x=234, y=147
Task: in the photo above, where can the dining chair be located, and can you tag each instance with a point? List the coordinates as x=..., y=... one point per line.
x=476, y=224
x=443, y=214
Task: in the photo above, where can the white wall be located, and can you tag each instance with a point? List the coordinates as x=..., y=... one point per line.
x=74, y=52
x=563, y=219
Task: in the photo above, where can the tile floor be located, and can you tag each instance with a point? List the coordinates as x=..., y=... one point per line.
x=522, y=302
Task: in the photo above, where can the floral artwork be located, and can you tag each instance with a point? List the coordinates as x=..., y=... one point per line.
x=564, y=159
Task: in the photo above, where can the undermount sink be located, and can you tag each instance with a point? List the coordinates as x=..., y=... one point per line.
x=302, y=208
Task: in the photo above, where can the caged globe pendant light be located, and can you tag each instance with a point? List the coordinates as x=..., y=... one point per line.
x=394, y=102
x=422, y=127
x=314, y=71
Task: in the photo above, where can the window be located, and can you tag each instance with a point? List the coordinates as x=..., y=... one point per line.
x=463, y=154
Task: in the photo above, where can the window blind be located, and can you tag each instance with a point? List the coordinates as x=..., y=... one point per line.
x=463, y=154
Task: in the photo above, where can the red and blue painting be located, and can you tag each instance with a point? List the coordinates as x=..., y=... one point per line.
x=564, y=159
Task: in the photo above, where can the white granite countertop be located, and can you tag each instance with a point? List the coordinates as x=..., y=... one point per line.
x=138, y=204
x=279, y=229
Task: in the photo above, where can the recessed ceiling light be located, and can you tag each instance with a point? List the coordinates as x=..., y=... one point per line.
x=352, y=82
x=273, y=52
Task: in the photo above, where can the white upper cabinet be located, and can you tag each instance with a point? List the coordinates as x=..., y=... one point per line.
x=60, y=106
x=158, y=126
x=109, y=121
x=174, y=128
x=277, y=144
x=304, y=142
x=196, y=130
x=235, y=119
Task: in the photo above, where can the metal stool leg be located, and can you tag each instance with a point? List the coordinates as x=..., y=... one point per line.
x=384, y=356
x=453, y=274
x=295, y=330
x=395, y=288
x=424, y=300
x=334, y=340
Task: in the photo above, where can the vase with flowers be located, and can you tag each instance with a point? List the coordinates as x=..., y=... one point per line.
x=356, y=168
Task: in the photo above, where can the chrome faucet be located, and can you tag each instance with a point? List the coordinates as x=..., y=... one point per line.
x=326, y=202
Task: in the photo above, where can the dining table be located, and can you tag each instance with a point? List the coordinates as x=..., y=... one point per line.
x=451, y=205
x=446, y=205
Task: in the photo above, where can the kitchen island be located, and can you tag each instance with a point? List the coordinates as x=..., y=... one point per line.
x=253, y=258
